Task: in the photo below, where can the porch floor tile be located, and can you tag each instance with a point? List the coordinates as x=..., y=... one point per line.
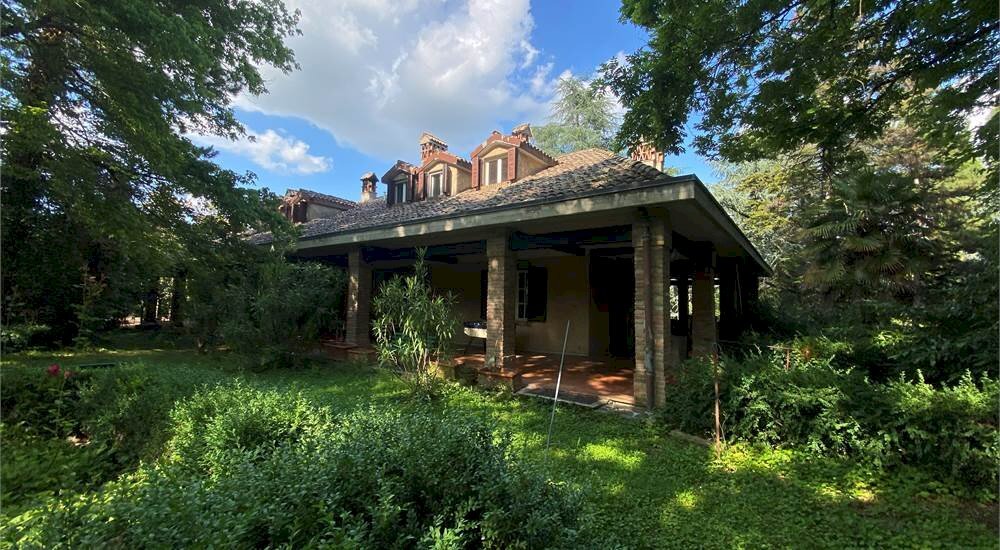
x=606, y=378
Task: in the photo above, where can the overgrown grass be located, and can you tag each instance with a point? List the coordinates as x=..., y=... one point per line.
x=643, y=488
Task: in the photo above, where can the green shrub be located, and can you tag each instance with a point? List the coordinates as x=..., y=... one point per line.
x=950, y=432
x=21, y=336
x=381, y=479
x=42, y=401
x=413, y=327
x=217, y=427
x=280, y=309
x=35, y=468
x=128, y=406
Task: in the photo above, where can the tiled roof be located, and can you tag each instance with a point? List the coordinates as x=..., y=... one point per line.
x=577, y=174
x=321, y=198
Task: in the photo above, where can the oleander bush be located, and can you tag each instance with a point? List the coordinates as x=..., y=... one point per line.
x=413, y=327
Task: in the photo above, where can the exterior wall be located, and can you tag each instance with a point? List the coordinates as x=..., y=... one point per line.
x=463, y=282
x=461, y=180
x=315, y=211
x=527, y=165
x=568, y=299
x=495, y=153
x=600, y=327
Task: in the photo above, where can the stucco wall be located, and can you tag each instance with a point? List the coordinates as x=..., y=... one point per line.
x=527, y=165
x=463, y=281
x=461, y=179
x=315, y=211
x=568, y=299
x=496, y=152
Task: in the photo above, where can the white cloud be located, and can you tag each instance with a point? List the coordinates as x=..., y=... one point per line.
x=272, y=151
x=375, y=75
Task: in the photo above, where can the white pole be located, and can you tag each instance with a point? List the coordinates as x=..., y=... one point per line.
x=555, y=398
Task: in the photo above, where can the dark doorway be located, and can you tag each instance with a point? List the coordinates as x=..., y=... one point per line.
x=612, y=279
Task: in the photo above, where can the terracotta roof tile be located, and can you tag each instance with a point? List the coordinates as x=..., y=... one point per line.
x=322, y=198
x=577, y=174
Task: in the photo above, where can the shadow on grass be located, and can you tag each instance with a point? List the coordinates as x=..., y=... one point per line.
x=646, y=489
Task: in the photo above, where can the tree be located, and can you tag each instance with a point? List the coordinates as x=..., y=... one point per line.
x=582, y=117
x=773, y=76
x=99, y=99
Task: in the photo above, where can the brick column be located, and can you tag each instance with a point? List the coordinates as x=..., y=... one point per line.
x=359, y=293
x=703, y=331
x=651, y=241
x=501, y=299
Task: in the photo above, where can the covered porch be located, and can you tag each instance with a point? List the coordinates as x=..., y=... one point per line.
x=642, y=288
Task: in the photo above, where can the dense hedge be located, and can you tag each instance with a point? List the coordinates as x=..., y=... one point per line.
x=77, y=428
x=255, y=468
x=950, y=432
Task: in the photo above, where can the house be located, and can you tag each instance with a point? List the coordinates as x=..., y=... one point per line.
x=303, y=205
x=528, y=242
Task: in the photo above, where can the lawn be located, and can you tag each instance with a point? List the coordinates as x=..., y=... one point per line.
x=644, y=488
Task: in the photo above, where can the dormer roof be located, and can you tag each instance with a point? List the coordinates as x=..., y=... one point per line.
x=514, y=140
x=447, y=158
x=316, y=197
x=401, y=167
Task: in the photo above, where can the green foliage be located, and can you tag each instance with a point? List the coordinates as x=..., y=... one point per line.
x=771, y=76
x=951, y=431
x=215, y=427
x=641, y=486
x=413, y=327
x=35, y=468
x=582, y=117
x=15, y=338
x=42, y=401
x=127, y=407
x=379, y=479
x=271, y=311
x=104, y=190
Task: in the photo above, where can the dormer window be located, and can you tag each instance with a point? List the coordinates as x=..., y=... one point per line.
x=436, y=186
x=400, y=191
x=495, y=170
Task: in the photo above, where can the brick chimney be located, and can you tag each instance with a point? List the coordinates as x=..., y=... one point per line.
x=522, y=132
x=429, y=144
x=647, y=154
x=368, y=189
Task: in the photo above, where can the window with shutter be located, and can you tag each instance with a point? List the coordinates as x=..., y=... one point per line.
x=538, y=282
x=532, y=294
x=436, y=185
x=495, y=170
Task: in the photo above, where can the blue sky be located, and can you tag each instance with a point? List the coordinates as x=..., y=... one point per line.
x=376, y=74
